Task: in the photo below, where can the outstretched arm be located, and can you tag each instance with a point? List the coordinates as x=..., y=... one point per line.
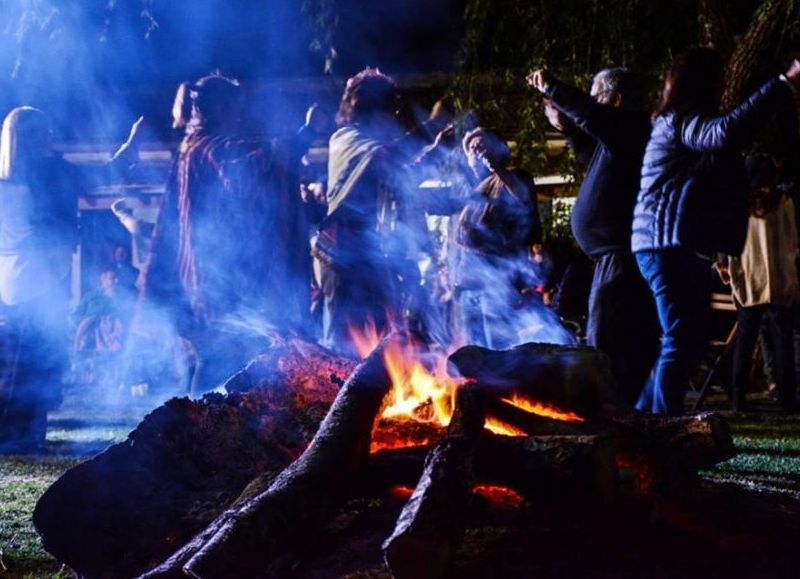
x=702, y=133
x=597, y=120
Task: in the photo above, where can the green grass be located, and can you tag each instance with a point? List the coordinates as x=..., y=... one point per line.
x=74, y=433
x=768, y=451
x=22, y=482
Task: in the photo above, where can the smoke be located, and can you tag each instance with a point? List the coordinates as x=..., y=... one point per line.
x=94, y=66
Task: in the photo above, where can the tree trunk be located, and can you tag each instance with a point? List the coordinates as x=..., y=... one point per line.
x=715, y=28
x=755, y=50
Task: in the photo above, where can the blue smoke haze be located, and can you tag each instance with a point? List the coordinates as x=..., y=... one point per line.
x=94, y=66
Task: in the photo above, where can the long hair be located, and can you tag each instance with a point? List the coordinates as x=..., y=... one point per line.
x=23, y=139
x=695, y=79
x=367, y=94
x=182, y=106
x=205, y=103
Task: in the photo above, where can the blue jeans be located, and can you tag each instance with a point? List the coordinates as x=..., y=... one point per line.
x=681, y=285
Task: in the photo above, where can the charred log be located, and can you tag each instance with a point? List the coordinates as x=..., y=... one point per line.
x=649, y=452
x=245, y=539
x=572, y=378
x=534, y=424
x=662, y=453
x=535, y=466
x=396, y=433
x=432, y=522
x=548, y=466
x=138, y=501
x=314, y=373
x=395, y=467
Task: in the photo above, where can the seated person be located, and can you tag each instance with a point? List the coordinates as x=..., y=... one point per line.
x=101, y=323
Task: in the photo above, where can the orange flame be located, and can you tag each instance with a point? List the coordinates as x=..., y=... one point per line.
x=417, y=392
x=366, y=339
x=426, y=393
x=540, y=409
x=501, y=428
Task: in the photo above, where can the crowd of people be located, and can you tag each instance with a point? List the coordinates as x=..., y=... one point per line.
x=236, y=246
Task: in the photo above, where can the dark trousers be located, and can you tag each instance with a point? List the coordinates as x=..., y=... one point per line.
x=681, y=285
x=778, y=325
x=33, y=359
x=623, y=324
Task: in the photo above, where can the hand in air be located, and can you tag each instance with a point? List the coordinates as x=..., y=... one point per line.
x=540, y=79
x=793, y=74
x=554, y=116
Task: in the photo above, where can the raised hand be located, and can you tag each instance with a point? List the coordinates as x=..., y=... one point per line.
x=554, y=116
x=540, y=79
x=134, y=132
x=793, y=74
x=318, y=120
x=130, y=148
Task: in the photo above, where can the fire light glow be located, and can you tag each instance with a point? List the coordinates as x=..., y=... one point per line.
x=499, y=496
x=418, y=392
x=542, y=409
x=496, y=426
x=424, y=392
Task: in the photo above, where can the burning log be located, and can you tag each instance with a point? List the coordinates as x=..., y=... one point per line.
x=242, y=541
x=536, y=466
x=534, y=424
x=316, y=374
x=664, y=452
x=391, y=467
x=660, y=452
x=546, y=466
x=397, y=433
x=572, y=378
x=138, y=501
x=432, y=521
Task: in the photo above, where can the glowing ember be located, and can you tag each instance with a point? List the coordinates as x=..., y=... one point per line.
x=401, y=492
x=499, y=496
x=501, y=428
x=542, y=409
x=643, y=473
x=404, y=432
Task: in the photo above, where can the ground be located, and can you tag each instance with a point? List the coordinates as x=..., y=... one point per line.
x=759, y=487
